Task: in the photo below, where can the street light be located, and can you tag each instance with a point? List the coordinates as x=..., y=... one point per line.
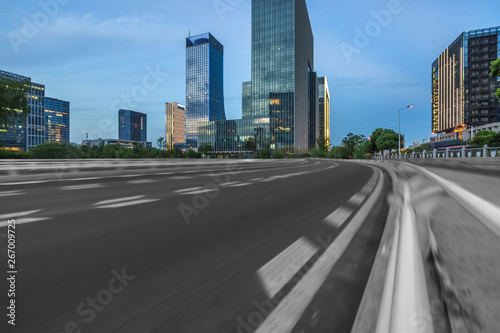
x=399, y=133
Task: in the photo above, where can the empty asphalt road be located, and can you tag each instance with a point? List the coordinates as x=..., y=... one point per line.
x=226, y=247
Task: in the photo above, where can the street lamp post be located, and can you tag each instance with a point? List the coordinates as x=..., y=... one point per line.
x=399, y=132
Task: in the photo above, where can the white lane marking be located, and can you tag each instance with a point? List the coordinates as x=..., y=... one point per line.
x=81, y=187
x=129, y=176
x=164, y=173
x=188, y=189
x=28, y=182
x=287, y=313
x=256, y=179
x=128, y=203
x=89, y=178
x=105, y=202
x=20, y=217
x=267, y=179
x=356, y=199
x=204, y=190
x=277, y=272
x=19, y=214
x=141, y=181
x=338, y=217
x=180, y=177
x=229, y=183
x=240, y=184
x=10, y=193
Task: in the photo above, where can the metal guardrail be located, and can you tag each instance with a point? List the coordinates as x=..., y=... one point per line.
x=448, y=153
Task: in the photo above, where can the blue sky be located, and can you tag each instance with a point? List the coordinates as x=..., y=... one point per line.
x=105, y=55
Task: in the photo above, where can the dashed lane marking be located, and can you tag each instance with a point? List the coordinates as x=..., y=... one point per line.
x=123, y=202
x=10, y=193
x=81, y=187
x=141, y=181
x=277, y=272
x=338, y=217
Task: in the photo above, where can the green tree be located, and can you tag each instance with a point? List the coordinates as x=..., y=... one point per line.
x=13, y=102
x=494, y=140
x=319, y=152
x=388, y=140
x=250, y=144
x=482, y=137
x=162, y=143
x=205, y=148
x=264, y=153
x=323, y=143
x=55, y=150
x=495, y=72
x=191, y=153
x=373, y=139
x=109, y=151
x=351, y=143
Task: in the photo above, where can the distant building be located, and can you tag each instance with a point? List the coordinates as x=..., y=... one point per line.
x=324, y=108
x=123, y=143
x=204, y=83
x=57, y=120
x=246, y=99
x=132, y=125
x=175, y=123
x=462, y=89
x=31, y=131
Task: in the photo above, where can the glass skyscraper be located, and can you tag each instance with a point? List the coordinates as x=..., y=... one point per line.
x=28, y=132
x=204, y=84
x=132, y=125
x=283, y=110
x=463, y=93
x=324, y=108
x=57, y=120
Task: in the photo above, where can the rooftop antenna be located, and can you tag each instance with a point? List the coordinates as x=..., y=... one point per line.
x=86, y=136
x=189, y=33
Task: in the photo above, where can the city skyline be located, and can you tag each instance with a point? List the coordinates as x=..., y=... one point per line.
x=129, y=51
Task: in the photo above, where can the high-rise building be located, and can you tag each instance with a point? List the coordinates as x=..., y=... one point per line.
x=204, y=83
x=175, y=121
x=246, y=99
x=132, y=125
x=463, y=93
x=324, y=108
x=283, y=114
x=27, y=132
x=57, y=120
x=282, y=58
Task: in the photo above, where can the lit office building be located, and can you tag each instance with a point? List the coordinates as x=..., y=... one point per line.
x=175, y=121
x=324, y=108
x=132, y=125
x=204, y=83
x=57, y=120
x=283, y=110
x=29, y=132
x=463, y=93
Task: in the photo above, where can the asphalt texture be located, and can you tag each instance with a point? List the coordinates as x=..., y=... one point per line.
x=178, y=249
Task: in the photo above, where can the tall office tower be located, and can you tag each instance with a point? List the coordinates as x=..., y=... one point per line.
x=175, y=121
x=31, y=131
x=132, y=125
x=282, y=58
x=324, y=108
x=246, y=99
x=57, y=120
x=463, y=93
x=204, y=83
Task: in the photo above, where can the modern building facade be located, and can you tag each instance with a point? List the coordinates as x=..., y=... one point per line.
x=31, y=131
x=175, y=121
x=57, y=120
x=324, y=108
x=132, y=125
x=283, y=110
x=463, y=93
x=204, y=83
x=123, y=143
